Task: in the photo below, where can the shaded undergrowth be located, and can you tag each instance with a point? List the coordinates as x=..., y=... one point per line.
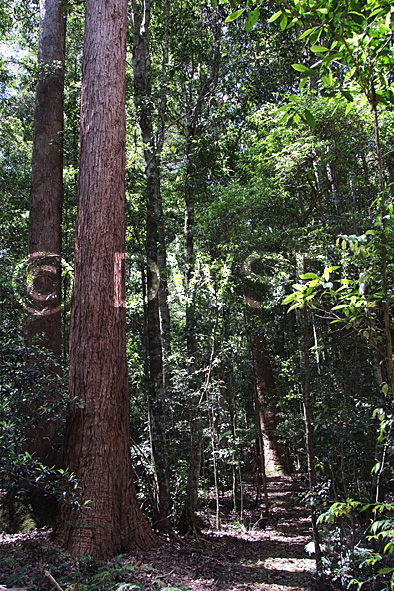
x=241, y=556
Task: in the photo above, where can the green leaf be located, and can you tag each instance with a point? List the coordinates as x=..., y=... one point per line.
x=289, y=299
x=306, y=33
x=357, y=17
x=386, y=570
x=309, y=276
x=329, y=270
x=290, y=121
x=252, y=19
x=296, y=305
x=348, y=76
x=303, y=69
x=234, y=15
x=315, y=36
x=319, y=49
x=349, y=107
x=383, y=28
x=310, y=118
x=303, y=82
x=283, y=22
x=275, y=16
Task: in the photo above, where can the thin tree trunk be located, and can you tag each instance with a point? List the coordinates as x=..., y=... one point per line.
x=309, y=438
x=165, y=318
x=383, y=264
x=188, y=515
x=261, y=454
x=155, y=246
x=380, y=451
x=42, y=323
x=187, y=519
x=215, y=468
x=236, y=467
x=97, y=446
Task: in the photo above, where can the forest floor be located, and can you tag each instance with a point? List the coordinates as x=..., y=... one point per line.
x=237, y=558
x=240, y=558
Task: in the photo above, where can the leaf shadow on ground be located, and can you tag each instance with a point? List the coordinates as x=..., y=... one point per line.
x=237, y=558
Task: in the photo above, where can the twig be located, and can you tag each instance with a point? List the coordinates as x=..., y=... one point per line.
x=53, y=581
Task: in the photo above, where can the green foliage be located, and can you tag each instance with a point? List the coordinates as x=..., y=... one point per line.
x=349, y=294
x=358, y=37
x=24, y=372
x=80, y=574
x=278, y=174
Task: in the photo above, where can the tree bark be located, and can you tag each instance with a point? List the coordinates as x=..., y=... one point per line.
x=42, y=325
x=276, y=460
x=165, y=318
x=97, y=447
x=187, y=519
x=154, y=247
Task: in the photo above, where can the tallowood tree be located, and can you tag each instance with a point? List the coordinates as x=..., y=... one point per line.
x=97, y=433
x=42, y=312
x=275, y=458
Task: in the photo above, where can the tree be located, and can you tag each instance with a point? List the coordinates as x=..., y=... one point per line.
x=155, y=243
x=97, y=445
x=43, y=311
x=194, y=96
x=264, y=381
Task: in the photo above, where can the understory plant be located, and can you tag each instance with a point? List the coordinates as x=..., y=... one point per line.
x=358, y=536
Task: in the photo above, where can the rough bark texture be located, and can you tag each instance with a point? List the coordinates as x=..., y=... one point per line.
x=97, y=436
x=154, y=237
x=42, y=312
x=187, y=519
x=274, y=452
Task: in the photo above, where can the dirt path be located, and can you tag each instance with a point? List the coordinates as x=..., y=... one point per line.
x=246, y=559
x=235, y=559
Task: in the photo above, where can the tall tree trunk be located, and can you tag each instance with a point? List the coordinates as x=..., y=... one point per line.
x=193, y=111
x=43, y=310
x=165, y=319
x=154, y=247
x=276, y=461
x=383, y=245
x=97, y=446
x=188, y=516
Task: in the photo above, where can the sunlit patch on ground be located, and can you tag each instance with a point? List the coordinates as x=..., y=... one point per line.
x=289, y=564
x=240, y=557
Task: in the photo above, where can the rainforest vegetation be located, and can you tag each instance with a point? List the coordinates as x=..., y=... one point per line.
x=196, y=277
